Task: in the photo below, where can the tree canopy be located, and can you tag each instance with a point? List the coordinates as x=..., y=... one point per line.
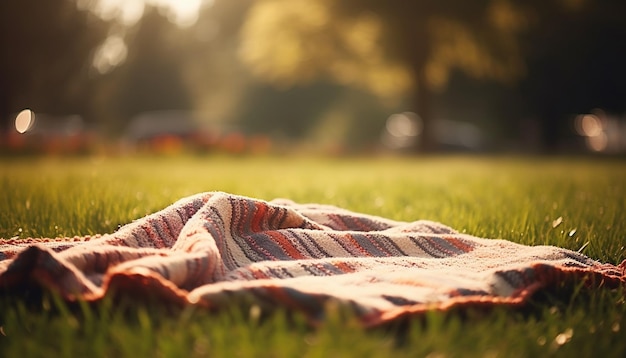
x=388, y=47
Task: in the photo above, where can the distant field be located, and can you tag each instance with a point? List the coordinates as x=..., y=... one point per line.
x=513, y=198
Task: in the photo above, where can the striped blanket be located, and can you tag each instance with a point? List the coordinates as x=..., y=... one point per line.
x=216, y=249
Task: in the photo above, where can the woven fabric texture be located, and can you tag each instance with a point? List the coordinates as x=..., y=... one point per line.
x=216, y=249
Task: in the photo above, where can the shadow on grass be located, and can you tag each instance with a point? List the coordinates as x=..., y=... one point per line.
x=120, y=325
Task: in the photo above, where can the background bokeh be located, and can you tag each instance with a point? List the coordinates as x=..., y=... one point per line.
x=351, y=76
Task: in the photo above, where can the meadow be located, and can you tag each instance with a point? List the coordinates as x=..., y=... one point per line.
x=576, y=203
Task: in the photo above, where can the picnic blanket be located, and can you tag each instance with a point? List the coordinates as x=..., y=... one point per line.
x=217, y=249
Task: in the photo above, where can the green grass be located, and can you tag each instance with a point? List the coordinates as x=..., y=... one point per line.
x=502, y=197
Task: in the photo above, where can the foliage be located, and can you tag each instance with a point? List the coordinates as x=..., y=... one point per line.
x=309, y=39
x=399, y=49
x=382, y=46
x=510, y=198
x=391, y=48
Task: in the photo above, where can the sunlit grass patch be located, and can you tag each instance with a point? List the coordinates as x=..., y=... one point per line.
x=572, y=203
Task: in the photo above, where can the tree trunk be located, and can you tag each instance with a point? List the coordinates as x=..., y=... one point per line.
x=422, y=97
x=419, y=50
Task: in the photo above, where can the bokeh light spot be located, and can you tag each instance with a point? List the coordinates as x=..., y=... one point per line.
x=591, y=125
x=598, y=143
x=24, y=120
x=110, y=54
x=405, y=124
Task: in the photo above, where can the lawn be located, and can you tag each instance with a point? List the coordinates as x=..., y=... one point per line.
x=576, y=203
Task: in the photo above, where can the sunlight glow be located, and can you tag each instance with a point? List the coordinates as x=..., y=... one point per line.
x=181, y=12
x=110, y=54
x=128, y=12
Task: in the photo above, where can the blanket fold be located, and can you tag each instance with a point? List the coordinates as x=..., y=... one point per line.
x=217, y=249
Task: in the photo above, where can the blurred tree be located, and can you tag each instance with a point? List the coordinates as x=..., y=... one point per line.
x=224, y=90
x=151, y=78
x=388, y=47
x=47, y=47
x=216, y=79
x=575, y=54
